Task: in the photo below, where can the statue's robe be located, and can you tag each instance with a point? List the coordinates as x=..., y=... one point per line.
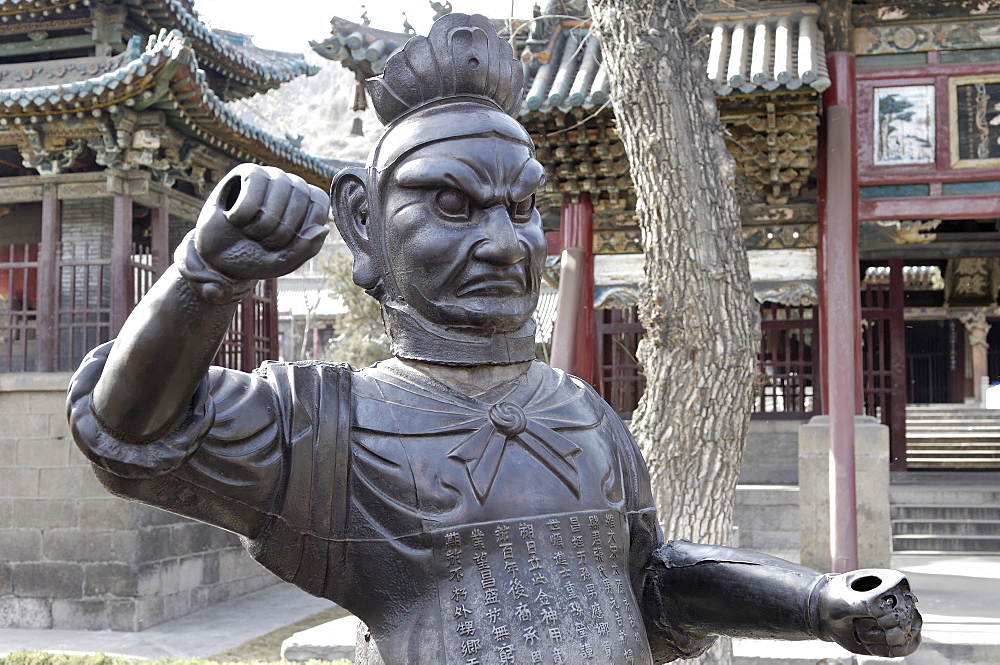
x=460, y=531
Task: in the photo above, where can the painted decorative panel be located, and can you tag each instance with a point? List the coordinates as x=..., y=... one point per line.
x=974, y=121
x=903, y=125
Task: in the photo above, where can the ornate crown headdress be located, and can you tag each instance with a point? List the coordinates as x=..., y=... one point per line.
x=461, y=57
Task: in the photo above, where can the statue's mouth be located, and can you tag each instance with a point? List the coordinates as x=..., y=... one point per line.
x=509, y=283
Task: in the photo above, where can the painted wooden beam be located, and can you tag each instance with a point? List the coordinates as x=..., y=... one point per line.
x=46, y=45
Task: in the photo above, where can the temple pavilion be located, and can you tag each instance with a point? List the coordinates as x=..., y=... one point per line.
x=113, y=129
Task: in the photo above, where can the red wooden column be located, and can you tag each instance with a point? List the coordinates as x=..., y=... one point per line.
x=160, y=237
x=121, y=262
x=897, y=365
x=573, y=337
x=48, y=281
x=839, y=301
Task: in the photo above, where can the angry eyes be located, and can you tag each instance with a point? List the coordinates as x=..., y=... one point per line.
x=455, y=205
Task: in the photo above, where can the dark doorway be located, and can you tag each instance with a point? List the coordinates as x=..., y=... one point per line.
x=927, y=375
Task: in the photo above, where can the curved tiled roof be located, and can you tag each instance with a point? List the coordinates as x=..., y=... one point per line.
x=164, y=76
x=251, y=69
x=749, y=54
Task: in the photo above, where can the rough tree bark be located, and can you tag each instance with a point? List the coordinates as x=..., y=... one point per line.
x=696, y=302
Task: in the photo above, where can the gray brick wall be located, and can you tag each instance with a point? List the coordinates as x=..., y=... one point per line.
x=72, y=556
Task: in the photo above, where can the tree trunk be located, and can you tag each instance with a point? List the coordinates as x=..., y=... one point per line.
x=702, y=324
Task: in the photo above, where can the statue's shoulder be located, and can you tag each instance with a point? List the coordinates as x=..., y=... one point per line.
x=307, y=381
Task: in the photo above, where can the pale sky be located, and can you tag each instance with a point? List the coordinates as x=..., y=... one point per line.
x=288, y=25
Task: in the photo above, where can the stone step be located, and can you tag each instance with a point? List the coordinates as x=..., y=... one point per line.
x=958, y=451
x=950, y=462
x=952, y=512
x=925, y=489
x=952, y=543
x=948, y=436
x=946, y=527
x=951, y=426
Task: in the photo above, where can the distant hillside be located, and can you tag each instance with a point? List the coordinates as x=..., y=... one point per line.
x=317, y=108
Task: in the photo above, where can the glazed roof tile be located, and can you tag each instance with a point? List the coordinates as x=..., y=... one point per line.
x=165, y=76
x=358, y=47
x=248, y=69
x=766, y=53
x=747, y=55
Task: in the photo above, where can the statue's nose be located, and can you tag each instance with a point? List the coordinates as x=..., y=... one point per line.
x=500, y=244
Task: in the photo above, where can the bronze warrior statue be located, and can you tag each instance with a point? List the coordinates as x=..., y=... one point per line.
x=470, y=504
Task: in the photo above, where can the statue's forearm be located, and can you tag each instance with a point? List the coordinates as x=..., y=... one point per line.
x=160, y=356
x=710, y=590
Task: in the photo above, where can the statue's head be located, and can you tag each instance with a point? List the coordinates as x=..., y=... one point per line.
x=442, y=222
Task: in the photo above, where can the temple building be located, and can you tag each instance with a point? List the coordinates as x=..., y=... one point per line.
x=917, y=205
x=113, y=129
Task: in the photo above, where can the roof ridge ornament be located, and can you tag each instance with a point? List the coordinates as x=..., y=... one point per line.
x=462, y=57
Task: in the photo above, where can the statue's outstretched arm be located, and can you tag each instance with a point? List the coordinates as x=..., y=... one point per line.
x=710, y=590
x=259, y=222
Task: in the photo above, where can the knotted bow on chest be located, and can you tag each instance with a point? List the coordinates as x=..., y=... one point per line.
x=543, y=406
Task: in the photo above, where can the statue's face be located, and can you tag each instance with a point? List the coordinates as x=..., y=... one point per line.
x=464, y=242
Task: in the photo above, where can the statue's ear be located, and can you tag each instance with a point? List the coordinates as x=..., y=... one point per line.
x=349, y=205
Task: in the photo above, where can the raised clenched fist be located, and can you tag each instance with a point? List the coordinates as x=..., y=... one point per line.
x=261, y=222
x=870, y=612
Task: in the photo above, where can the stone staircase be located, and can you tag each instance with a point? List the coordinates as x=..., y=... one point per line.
x=946, y=512
x=952, y=436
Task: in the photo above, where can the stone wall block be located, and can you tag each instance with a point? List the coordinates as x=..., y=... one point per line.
x=210, y=568
x=107, y=512
x=88, y=546
x=25, y=612
x=114, y=579
x=44, y=513
x=154, y=544
x=47, y=580
x=14, y=402
x=191, y=570
x=148, y=580
x=149, y=612
x=58, y=427
x=62, y=482
x=232, y=565
x=20, y=545
x=18, y=482
x=8, y=450
x=7, y=513
x=122, y=614
x=86, y=614
x=70, y=482
x=48, y=402
x=6, y=582
x=43, y=452
x=190, y=538
x=20, y=425
x=170, y=577
x=177, y=604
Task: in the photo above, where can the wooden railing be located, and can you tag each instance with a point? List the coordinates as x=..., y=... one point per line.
x=620, y=380
x=81, y=314
x=787, y=385
x=18, y=307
